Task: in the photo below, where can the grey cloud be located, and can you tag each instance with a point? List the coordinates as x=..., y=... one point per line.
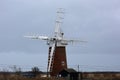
x=96, y=21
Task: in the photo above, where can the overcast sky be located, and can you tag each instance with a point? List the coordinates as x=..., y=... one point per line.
x=96, y=21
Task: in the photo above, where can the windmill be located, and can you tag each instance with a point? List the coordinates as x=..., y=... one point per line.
x=57, y=47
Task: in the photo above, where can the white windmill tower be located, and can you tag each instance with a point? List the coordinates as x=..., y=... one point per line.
x=57, y=47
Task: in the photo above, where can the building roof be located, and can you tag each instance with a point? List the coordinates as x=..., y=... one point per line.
x=69, y=70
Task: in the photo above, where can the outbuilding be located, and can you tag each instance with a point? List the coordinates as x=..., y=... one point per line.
x=69, y=74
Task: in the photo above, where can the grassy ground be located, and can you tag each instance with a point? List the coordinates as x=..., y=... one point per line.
x=26, y=78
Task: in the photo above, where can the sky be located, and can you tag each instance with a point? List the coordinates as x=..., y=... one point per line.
x=95, y=21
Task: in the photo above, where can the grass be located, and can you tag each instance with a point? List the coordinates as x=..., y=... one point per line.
x=18, y=77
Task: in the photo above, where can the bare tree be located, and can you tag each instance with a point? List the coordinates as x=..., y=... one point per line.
x=16, y=69
x=35, y=70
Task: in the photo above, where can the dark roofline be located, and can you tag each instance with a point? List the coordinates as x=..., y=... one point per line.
x=69, y=70
x=100, y=72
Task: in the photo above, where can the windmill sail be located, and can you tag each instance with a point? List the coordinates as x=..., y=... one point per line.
x=51, y=56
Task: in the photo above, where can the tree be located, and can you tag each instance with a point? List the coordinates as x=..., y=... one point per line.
x=35, y=70
x=16, y=69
